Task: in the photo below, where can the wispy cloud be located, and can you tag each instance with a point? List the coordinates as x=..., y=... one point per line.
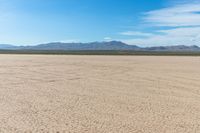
x=176, y=36
x=107, y=38
x=136, y=33
x=180, y=25
x=179, y=15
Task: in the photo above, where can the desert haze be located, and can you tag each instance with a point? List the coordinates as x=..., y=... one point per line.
x=99, y=94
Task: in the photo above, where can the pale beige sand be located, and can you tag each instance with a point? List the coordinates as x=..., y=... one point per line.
x=99, y=94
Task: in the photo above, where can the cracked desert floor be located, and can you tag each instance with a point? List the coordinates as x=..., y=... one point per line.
x=99, y=94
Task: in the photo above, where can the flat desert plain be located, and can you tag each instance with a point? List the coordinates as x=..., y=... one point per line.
x=99, y=94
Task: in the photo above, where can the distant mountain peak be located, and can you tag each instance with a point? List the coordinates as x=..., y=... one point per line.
x=111, y=45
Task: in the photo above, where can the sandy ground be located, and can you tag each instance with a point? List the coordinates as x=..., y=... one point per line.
x=99, y=94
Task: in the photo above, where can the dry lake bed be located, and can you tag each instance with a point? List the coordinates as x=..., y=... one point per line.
x=99, y=94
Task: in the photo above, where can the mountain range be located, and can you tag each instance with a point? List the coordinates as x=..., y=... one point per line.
x=112, y=45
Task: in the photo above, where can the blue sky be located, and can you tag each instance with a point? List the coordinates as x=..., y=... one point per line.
x=136, y=22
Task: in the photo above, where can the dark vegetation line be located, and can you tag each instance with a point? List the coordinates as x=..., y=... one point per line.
x=102, y=52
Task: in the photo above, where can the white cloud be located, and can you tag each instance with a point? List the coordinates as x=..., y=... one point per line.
x=180, y=24
x=176, y=36
x=107, y=38
x=136, y=33
x=182, y=32
x=179, y=15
